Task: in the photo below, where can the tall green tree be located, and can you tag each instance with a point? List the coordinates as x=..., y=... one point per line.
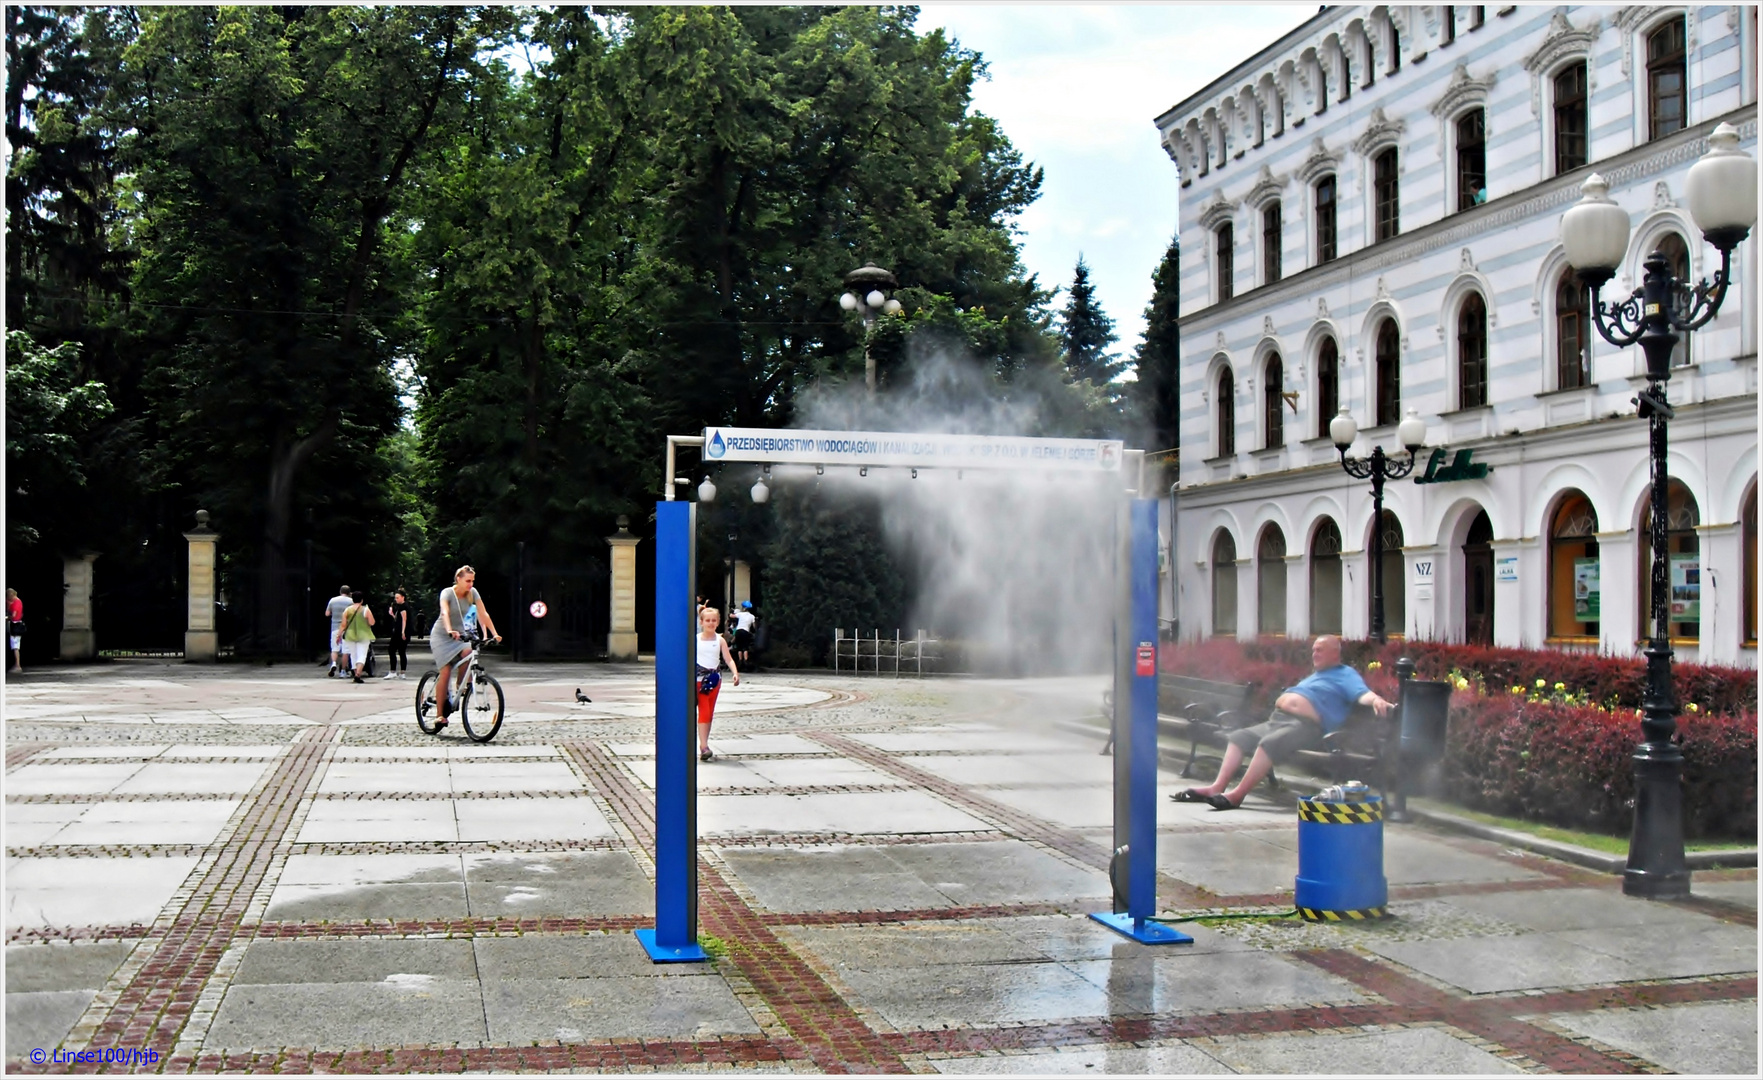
x=274, y=150
x=1158, y=357
x=1086, y=331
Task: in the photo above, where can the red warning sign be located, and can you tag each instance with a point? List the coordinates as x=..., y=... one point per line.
x=1147, y=659
x=538, y=609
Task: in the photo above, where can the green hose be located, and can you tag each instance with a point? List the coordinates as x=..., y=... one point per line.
x=1227, y=915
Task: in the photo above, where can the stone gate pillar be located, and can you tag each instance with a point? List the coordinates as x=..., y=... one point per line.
x=201, y=640
x=79, y=640
x=621, y=641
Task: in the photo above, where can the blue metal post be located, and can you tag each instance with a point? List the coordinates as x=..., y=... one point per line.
x=1140, y=620
x=675, y=937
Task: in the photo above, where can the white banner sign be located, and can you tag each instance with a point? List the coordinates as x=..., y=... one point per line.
x=779, y=446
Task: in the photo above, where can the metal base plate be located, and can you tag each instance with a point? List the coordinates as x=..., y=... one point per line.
x=1141, y=930
x=661, y=954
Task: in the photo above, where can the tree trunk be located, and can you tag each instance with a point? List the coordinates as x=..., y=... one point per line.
x=275, y=632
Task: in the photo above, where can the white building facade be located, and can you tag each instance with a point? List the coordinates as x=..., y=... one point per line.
x=1370, y=219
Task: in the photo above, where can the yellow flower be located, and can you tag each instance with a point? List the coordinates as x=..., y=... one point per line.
x=1560, y=686
x=1518, y=689
x=1462, y=683
x=1541, y=683
x=1375, y=665
x=1692, y=707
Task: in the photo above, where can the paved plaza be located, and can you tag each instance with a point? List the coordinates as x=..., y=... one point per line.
x=256, y=869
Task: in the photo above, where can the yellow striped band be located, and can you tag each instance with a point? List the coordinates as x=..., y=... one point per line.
x=1317, y=915
x=1339, y=813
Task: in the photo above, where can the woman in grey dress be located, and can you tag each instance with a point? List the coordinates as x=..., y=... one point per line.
x=461, y=612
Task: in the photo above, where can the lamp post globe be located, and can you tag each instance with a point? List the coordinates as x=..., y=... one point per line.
x=1412, y=431
x=864, y=293
x=1722, y=189
x=848, y=301
x=761, y=494
x=1594, y=233
x=1342, y=430
x=706, y=491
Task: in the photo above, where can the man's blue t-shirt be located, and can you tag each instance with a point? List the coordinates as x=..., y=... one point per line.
x=1334, y=691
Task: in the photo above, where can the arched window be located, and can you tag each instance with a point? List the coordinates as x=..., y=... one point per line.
x=1478, y=581
x=1574, y=587
x=1472, y=159
x=1325, y=219
x=1386, y=195
x=1667, y=82
x=1370, y=62
x=1389, y=373
x=1750, y=531
x=1224, y=585
x=1395, y=579
x=1272, y=240
x=1346, y=72
x=1683, y=564
x=1677, y=256
x=1395, y=46
x=1472, y=353
x=1227, y=414
x=1328, y=385
x=1573, y=333
x=1226, y=249
x=1321, y=86
x=1270, y=580
x=1447, y=25
x=1273, y=383
x=1570, y=117
x=1325, y=578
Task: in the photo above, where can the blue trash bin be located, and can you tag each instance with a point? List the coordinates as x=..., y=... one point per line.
x=1340, y=860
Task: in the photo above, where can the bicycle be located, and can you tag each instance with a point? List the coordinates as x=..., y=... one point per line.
x=477, y=696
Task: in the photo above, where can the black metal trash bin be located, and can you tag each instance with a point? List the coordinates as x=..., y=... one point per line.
x=1425, y=708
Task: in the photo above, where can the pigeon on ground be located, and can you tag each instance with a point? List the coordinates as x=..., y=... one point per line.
x=581, y=698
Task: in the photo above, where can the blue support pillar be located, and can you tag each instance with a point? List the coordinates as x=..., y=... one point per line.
x=675, y=937
x=1135, y=735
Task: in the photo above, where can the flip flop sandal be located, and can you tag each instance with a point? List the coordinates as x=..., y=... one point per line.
x=1219, y=802
x=1190, y=795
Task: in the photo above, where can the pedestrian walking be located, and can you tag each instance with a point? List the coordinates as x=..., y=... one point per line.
x=15, y=628
x=712, y=652
x=745, y=618
x=333, y=610
x=397, y=645
x=357, y=635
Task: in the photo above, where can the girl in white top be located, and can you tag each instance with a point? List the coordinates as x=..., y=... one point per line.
x=711, y=649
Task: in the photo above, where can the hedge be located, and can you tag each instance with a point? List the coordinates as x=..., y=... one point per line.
x=1561, y=756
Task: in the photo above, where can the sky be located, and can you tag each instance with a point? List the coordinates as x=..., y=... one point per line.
x=1078, y=89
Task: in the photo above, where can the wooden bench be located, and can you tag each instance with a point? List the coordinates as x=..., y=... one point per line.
x=1211, y=709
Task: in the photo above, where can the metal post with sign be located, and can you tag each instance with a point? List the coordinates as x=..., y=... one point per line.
x=1133, y=869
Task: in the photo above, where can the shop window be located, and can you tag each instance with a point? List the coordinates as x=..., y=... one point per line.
x=1224, y=586
x=1573, y=333
x=1325, y=219
x=1386, y=195
x=1272, y=421
x=1395, y=579
x=1667, y=81
x=1325, y=579
x=1226, y=245
x=1270, y=581
x=1472, y=159
x=1472, y=353
x=1683, y=565
x=1389, y=373
x=1328, y=386
x=1571, y=123
x=1574, y=586
x=1227, y=414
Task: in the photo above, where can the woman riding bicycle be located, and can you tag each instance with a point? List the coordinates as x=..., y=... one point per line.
x=461, y=613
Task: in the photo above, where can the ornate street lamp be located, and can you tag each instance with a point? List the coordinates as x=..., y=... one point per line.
x=864, y=294
x=1722, y=196
x=1377, y=468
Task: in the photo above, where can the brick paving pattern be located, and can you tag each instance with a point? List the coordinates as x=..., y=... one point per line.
x=166, y=994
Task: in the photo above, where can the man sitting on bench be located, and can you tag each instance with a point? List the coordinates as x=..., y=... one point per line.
x=1301, y=716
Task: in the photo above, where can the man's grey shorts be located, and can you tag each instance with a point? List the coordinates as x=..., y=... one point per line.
x=1282, y=734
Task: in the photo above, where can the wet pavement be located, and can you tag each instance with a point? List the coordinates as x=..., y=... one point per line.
x=258, y=869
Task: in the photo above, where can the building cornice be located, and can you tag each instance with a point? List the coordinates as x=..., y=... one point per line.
x=1458, y=229
x=1319, y=164
x=1379, y=132
x=1462, y=91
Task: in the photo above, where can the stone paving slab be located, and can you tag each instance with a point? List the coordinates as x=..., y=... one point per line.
x=1179, y=1059
x=1713, y=1038
x=60, y=892
x=402, y=1010
x=616, y=1007
x=1419, y=1051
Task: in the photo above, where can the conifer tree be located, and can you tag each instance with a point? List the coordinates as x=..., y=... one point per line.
x=1085, y=332
x=1158, y=358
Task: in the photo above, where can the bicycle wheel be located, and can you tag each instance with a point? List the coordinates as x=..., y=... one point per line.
x=483, y=711
x=425, y=702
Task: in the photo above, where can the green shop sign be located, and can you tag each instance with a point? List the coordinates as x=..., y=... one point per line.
x=1460, y=468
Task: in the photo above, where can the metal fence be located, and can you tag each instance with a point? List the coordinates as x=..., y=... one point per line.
x=856, y=653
